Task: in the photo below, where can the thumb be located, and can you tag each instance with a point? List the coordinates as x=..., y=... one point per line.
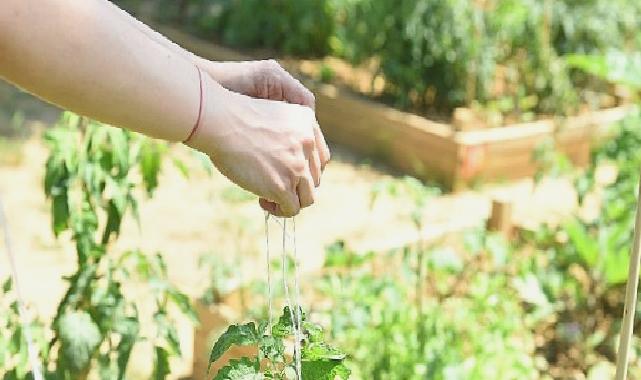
x=287, y=206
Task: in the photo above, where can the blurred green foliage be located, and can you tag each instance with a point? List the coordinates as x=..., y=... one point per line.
x=546, y=306
x=443, y=54
x=504, y=55
x=295, y=27
x=470, y=325
x=93, y=177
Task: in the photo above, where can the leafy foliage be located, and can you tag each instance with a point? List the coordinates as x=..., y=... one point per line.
x=79, y=337
x=92, y=176
x=503, y=57
x=14, y=356
x=377, y=317
x=242, y=335
x=583, y=262
x=320, y=361
x=240, y=369
x=287, y=26
x=615, y=67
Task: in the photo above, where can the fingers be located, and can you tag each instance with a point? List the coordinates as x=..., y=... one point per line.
x=314, y=163
x=322, y=147
x=295, y=92
x=290, y=203
x=286, y=206
x=305, y=190
x=315, y=168
x=281, y=85
x=268, y=206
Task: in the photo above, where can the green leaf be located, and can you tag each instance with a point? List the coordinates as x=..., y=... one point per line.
x=242, y=335
x=240, y=369
x=6, y=285
x=313, y=331
x=106, y=369
x=140, y=262
x=15, y=344
x=11, y=375
x=119, y=142
x=114, y=220
x=59, y=213
x=128, y=329
x=79, y=338
x=273, y=349
x=616, y=67
x=322, y=351
x=181, y=166
x=616, y=266
x=3, y=352
x=184, y=304
x=161, y=363
x=324, y=370
x=585, y=245
x=167, y=330
x=284, y=326
x=150, y=154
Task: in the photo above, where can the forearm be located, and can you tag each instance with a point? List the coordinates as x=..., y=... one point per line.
x=76, y=55
x=236, y=76
x=261, y=79
x=155, y=36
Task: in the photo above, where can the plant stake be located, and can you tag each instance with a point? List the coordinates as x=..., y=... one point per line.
x=36, y=365
x=630, y=298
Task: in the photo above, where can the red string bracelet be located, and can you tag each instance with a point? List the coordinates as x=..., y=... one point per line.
x=200, y=108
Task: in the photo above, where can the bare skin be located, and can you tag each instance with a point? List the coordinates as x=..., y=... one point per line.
x=258, y=125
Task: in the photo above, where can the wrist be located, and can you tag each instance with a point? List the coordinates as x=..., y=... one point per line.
x=216, y=102
x=216, y=70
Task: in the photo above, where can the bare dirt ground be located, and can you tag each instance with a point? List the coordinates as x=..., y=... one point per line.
x=204, y=214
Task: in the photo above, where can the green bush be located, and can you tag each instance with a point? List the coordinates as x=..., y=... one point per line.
x=467, y=322
x=300, y=27
x=296, y=27
x=503, y=53
x=93, y=177
x=434, y=54
x=594, y=26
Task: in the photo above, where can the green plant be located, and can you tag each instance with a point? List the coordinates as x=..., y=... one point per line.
x=503, y=55
x=301, y=28
x=311, y=357
x=581, y=264
x=91, y=178
x=471, y=324
x=326, y=74
x=14, y=350
x=91, y=181
x=320, y=361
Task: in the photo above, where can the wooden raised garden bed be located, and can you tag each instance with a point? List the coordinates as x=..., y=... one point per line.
x=431, y=150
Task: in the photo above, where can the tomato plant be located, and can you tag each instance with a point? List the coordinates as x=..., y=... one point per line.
x=92, y=178
x=311, y=358
x=320, y=361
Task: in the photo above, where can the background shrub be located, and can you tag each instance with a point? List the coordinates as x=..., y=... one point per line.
x=435, y=55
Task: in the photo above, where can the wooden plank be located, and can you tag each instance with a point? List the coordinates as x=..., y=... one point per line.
x=501, y=217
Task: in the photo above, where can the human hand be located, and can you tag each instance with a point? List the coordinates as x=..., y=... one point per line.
x=266, y=80
x=267, y=147
x=259, y=79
